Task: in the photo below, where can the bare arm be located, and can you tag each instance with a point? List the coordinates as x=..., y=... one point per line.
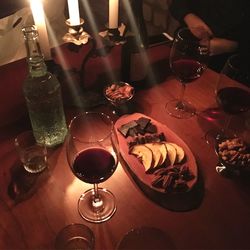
x=193, y=21
x=217, y=45
x=221, y=46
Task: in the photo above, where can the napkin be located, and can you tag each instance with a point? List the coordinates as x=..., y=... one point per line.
x=11, y=38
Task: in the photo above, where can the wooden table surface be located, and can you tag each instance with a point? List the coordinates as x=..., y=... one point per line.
x=34, y=208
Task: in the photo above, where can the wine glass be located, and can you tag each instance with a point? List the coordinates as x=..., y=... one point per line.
x=188, y=59
x=91, y=146
x=232, y=95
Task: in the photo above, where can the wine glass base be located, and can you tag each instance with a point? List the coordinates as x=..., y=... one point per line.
x=212, y=136
x=97, y=215
x=180, y=109
x=226, y=172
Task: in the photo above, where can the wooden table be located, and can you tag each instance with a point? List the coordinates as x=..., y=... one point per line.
x=45, y=204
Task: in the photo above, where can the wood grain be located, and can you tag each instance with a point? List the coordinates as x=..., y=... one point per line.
x=217, y=211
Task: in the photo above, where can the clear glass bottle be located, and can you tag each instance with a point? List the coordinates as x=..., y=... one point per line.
x=42, y=93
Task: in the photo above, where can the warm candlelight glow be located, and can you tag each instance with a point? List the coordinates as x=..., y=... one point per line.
x=39, y=19
x=74, y=16
x=113, y=14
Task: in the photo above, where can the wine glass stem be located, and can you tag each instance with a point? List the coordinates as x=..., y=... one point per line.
x=180, y=104
x=97, y=201
x=225, y=130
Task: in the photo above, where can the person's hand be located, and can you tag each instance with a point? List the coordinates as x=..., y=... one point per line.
x=221, y=46
x=194, y=22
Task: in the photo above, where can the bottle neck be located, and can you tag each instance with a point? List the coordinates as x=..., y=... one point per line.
x=35, y=59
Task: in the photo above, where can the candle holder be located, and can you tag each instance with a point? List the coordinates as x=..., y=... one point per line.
x=114, y=36
x=76, y=34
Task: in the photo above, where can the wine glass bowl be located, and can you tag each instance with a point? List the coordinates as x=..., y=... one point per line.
x=188, y=59
x=232, y=95
x=93, y=157
x=119, y=95
x=232, y=92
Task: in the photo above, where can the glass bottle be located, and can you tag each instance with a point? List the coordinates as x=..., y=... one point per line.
x=42, y=93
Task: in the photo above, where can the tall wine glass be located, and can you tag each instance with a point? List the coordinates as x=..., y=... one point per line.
x=232, y=95
x=92, y=155
x=188, y=59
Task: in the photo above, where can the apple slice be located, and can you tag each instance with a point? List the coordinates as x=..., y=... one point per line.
x=164, y=153
x=179, y=151
x=171, y=153
x=144, y=154
x=155, y=148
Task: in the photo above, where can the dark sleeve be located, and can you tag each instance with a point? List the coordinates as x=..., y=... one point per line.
x=179, y=9
x=244, y=41
x=9, y=7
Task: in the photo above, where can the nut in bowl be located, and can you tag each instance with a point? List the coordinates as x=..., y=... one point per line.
x=120, y=95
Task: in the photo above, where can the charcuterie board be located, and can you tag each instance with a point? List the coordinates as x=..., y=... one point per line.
x=146, y=172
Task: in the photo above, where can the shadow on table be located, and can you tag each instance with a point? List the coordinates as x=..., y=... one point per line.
x=210, y=118
x=214, y=119
x=242, y=184
x=23, y=185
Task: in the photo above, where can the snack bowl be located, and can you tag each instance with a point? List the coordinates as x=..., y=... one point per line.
x=119, y=92
x=233, y=155
x=120, y=95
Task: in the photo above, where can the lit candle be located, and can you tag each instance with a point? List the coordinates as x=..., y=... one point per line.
x=113, y=14
x=39, y=19
x=74, y=16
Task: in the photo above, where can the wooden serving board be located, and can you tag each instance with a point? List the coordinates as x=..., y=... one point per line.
x=136, y=168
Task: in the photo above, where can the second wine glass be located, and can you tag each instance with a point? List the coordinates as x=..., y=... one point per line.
x=232, y=95
x=188, y=59
x=92, y=155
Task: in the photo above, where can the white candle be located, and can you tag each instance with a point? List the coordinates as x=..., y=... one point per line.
x=39, y=19
x=74, y=16
x=113, y=14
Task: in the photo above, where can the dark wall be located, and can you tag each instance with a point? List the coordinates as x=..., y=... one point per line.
x=8, y=7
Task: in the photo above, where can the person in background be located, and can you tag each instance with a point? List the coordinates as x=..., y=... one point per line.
x=9, y=7
x=226, y=21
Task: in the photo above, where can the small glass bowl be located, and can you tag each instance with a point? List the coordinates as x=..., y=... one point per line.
x=120, y=95
x=236, y=166
x=119, y=92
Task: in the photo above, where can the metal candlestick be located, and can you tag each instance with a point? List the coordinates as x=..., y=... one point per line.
x=76, y=34
x=115, y=36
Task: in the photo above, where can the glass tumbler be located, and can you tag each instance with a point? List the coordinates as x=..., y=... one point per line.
x=33, y=155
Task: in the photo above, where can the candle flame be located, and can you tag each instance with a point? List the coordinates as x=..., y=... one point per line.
x=36, y=7
x=39, y=19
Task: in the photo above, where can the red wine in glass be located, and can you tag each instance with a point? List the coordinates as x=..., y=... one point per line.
x=233, y=100
x=187, y=70
x=94, y=165
x=188, y=58
x=92, y=154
